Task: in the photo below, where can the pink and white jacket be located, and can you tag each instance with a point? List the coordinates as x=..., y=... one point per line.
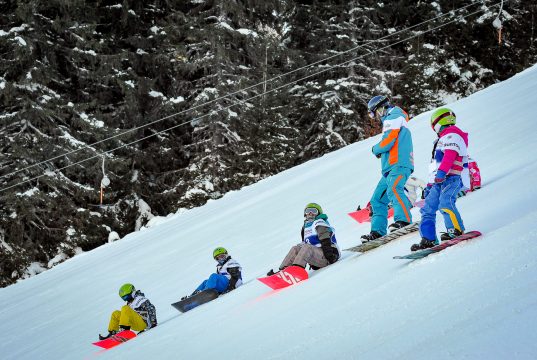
x=450, y=155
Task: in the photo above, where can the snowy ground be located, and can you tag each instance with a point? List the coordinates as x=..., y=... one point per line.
x=477, y=300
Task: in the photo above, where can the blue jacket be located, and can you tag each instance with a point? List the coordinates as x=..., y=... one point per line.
x=395, y=147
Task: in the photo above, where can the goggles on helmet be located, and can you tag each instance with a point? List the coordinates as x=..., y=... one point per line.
x=435, y=124
x=311, y=211
x=127, y=297
x=221, y=258
x=379, y=109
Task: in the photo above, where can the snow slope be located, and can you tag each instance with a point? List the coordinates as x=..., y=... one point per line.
x=477, y=300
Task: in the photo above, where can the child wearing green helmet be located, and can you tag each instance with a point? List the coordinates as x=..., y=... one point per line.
x=448, y=166
x=227, y=277
x=319, y=246
x=137, y=315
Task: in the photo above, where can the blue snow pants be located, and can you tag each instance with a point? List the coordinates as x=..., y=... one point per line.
x=215, y=281
x=391, y=188
x=442, y=196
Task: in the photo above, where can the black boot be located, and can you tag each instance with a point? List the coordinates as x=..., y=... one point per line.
x=271, y=272
x=371, y=236
x=398, y=225
x=424, y=244
x=110, y=333
x=450, y=234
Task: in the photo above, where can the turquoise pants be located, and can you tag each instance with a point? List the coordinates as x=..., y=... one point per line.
x=391, y=188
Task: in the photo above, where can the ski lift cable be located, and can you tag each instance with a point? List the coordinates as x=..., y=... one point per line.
x=89, y=146
x=242, y=101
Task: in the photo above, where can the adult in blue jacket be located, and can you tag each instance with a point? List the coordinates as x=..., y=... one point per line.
x=395, y=151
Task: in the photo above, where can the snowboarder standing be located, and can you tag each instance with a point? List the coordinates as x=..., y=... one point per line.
x=396, y=153
x=450, y=157
x=318, y=247
x=227, y=277
x=137, y=315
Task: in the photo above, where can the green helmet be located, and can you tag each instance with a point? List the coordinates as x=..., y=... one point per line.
x=442, y=117
x=219, y=251
x=312, y=210
x=314, y=206
x=125, y=290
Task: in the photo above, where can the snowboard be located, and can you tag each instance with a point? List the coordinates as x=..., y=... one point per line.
x=196, y=300
x=286, y=277
x=115, y=340
x=420, y=254
x=372, y=244
x=362, y=215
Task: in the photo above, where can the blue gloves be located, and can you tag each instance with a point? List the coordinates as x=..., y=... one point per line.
x=440, y=176
x=426, y=191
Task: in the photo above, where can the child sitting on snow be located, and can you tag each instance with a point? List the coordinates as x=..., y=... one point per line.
x=137, y=315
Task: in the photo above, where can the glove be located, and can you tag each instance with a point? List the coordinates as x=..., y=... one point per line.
x=426, y=191
x=329, y=252
x=376, y=155
x=330, y=255
x=440, y=177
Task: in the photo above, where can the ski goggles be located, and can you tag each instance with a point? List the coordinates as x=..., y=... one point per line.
x=311, y=211
x=127, y=297
x=435, y=124
x=220, y=257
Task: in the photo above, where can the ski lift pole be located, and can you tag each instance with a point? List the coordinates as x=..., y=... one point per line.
x=105, y=181
x=497, y=23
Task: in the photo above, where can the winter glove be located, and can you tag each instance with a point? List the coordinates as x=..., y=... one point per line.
x=440, y=176
x=426, y=191
x=235, y=276
x=330, y=253
x=376, y=155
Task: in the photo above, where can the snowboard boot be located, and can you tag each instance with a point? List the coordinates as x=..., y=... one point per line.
x=271, y=272
x=450, y=234
x=371, y=236
x=424, y=244
x=110, y=333
x=187, y=296
x=398, y=225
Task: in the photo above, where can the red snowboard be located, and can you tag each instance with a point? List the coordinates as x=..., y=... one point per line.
x=363, y=215
x=284, y=278
x=116, y=339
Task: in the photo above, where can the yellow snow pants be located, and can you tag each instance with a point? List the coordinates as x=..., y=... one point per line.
x=126, y=317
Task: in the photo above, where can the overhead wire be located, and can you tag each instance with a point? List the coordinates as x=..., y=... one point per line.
x=243, y=101
x=90, y=146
